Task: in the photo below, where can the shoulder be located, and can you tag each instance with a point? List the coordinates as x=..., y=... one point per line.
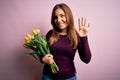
x=49, y=33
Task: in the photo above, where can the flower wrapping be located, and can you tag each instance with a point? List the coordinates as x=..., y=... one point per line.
x=39, y=47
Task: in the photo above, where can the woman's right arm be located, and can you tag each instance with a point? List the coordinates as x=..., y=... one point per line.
x=48, y=59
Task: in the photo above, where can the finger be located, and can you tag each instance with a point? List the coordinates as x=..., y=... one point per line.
x=79, y=23
x=82, y=21
x=50, y=61
x=88, y=25
x=49, y=55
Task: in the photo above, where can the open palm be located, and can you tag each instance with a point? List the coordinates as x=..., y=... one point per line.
x=83, y=27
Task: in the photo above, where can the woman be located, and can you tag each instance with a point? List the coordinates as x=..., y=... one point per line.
x=63, y=41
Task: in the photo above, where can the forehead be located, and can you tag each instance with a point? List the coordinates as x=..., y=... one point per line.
x=59, y=11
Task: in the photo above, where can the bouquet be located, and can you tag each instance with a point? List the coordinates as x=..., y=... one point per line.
x=39, y=47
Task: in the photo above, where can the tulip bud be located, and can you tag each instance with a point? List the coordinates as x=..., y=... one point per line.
x=34, y=32
x=27, y=39
x=32, y=36
x=38, y=31
x=28, y=35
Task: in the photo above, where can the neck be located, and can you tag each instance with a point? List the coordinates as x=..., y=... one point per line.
x=63, y=32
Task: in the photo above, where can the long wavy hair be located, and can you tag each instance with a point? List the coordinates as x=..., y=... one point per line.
x=71, y=32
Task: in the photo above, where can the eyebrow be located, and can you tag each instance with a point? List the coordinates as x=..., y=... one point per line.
x=60, y=14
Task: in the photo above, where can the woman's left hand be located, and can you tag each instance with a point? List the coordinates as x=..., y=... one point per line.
x=83, y=27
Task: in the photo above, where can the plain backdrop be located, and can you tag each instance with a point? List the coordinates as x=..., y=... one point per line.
x=20, y=16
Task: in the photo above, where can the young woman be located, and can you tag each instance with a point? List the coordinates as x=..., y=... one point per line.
x=63, y=41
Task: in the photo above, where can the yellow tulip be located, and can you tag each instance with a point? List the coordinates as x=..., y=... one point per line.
x=38, y=31
x=32, y=37
x=27, y=39
x=28, y=36
x=34, y=31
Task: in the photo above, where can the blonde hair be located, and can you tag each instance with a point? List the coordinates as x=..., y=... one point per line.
x=71, y=32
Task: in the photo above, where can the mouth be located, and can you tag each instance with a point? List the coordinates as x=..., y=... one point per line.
x=60, y=24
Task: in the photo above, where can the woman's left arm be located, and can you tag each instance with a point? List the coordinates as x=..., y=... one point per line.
x=83, y=46
x=84, y=50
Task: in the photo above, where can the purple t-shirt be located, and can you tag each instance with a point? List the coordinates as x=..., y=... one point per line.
x=64, y=56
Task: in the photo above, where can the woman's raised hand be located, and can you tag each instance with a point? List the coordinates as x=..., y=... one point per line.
x=83, y=27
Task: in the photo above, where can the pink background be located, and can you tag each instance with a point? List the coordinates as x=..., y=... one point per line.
x=20, y=16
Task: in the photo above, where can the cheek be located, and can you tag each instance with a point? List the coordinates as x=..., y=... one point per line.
x=64, y=19
x=55, y=21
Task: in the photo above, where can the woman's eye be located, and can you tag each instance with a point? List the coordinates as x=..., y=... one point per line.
x=56, y=17
x=62, y=15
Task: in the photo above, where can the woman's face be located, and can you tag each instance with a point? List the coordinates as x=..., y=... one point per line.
x=60, y=19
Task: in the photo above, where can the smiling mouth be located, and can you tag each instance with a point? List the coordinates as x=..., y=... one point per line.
x=60, y=24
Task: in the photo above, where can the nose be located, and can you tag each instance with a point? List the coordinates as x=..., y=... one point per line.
x=59, y=19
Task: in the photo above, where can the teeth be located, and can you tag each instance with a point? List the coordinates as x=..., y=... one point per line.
x=60, y=23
